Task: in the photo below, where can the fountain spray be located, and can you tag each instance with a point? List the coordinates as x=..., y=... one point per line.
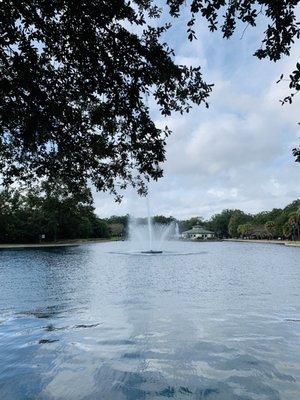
x=149, y=223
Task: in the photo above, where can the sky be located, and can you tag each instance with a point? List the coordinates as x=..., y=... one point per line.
x=237, y=153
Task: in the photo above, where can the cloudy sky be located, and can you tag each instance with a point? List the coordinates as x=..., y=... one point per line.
x=236, y=154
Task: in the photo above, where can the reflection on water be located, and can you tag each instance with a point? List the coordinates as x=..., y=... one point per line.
x=218, y=321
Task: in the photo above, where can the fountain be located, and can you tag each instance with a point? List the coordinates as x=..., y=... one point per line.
x=177, y=234
x=149, y=237
x=149, y=222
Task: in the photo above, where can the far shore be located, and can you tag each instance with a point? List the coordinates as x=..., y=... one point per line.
x=63, y=243
x=264, y=241
x=80, y=242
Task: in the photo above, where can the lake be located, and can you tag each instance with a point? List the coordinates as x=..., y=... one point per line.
x=203, y=321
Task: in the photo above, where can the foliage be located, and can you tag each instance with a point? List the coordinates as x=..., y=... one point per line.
x=161, y=219
x=74, y=80
x=219, y=223
x=281, y=28
x=278, y=16
x=75, y=77
x=283, y=223
x=271, y=229
x=116, y=229
x=237, y=218
x=294, y=222
x=287, y=230
x=118, y=225
x=188, y=224
x=245, y=230
x=118, y=219
x=100, y=228
x=295, y=87
x=26, y=216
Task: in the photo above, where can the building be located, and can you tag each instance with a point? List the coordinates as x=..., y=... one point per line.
x=197, y=232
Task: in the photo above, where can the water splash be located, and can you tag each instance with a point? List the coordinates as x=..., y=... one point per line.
x=177, y=234
x=147, y=236
x=149, y=220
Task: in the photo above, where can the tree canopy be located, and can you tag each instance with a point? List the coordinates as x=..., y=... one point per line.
x=48, y=213
x=44, y=213
x=75, y=77
x=283, y=223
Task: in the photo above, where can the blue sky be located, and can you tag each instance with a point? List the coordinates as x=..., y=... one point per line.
x=236, y=154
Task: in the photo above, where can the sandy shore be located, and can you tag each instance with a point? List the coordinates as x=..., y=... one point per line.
x=282, y=242
x=66, y=243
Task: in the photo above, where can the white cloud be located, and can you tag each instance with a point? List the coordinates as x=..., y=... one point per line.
x=237, y=154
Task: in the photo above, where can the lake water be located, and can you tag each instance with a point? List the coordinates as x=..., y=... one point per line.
x=209, y=321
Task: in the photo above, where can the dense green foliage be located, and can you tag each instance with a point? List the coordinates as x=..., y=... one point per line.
x=25, y=217
x=58, y=215
x=161, y=219
x=75, y=76
x=283, y=223
x=277, y=223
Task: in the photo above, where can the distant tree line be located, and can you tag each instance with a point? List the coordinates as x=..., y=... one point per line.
x=41, y=214
x=232, y=223
x=277, y=223
x=50, y=214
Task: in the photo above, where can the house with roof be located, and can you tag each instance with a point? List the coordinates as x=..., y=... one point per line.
x=197, y=232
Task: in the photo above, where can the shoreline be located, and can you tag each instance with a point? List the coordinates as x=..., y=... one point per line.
x=265, y=241
x=65, y=243
x=81, y=242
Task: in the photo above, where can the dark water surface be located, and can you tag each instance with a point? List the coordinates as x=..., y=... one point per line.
x=92, y=323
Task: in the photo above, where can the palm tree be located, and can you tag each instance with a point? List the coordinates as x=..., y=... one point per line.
x=294, y=221
x=298, y=218
x=270, y=228
x=287, y=230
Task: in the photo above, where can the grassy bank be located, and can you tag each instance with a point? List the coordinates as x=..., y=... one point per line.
x=282, y=242
x=64, y=243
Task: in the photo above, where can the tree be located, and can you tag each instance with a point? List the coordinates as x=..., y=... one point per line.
x=57, y=214
x=161, y=219
x=189, y=223
x=6, y=213
x=294, y=222
x=282, y=28
x=100, y=228
x=280, y=20
x=295, y=87
x=219, y=223
x=245, y=229
x=266, y=224
x=116, y=229
x=73, y=89
x=271, y=229
x=118, y=219
x=237, y=218
x=287, y=230
x=263, y=217
x=259, y=232
x=75, y=77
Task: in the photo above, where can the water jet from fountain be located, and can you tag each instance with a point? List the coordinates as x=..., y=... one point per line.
x=149, y=237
